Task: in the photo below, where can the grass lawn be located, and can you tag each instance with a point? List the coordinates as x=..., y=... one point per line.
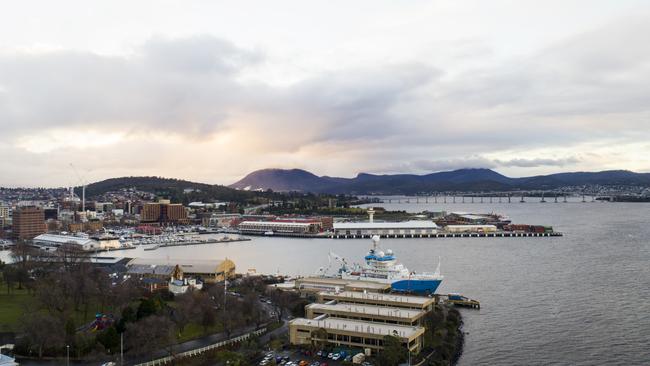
x=12, y=307
x=193, y=331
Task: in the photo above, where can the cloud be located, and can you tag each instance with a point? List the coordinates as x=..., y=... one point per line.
x=427, y=166
x=189, y=107
x=537, y=162
x=173, y=86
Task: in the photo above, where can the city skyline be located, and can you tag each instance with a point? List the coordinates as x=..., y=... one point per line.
x=210, y=91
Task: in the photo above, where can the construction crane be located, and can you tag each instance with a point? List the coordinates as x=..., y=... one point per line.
x=83, y=183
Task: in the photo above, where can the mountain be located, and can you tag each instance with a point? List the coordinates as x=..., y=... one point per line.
x=173, y=188
x=284, y=180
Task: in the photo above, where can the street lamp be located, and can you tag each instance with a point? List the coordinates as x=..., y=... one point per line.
x=67, y=355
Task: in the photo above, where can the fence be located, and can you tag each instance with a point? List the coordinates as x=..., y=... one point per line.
x=198, y=351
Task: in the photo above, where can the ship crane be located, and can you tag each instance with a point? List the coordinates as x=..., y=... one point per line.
x=331, y=255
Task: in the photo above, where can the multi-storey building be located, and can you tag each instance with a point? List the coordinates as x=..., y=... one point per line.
x=28, y=222
x=163, y=213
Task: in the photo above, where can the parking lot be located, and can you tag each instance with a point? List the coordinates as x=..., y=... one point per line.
x=305, y=358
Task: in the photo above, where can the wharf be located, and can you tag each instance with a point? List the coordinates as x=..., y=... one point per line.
x=500, y=234
x=114, y=249
x=179, y=244
x=287, y=235
x=459, y=300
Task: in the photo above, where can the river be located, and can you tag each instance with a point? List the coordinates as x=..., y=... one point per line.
x=580, y=299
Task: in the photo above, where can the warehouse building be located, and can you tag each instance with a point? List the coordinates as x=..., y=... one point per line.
x=471, y=228
x=281, y=227
x=208, y=270
x=404, y=229
x=51, y=242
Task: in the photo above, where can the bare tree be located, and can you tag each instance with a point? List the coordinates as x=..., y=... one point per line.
x=43, y=331
x=149, y=334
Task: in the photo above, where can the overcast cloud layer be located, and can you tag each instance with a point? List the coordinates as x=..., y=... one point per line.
x=211, y=91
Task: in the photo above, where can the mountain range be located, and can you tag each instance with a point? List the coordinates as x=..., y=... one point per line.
x=284, y=180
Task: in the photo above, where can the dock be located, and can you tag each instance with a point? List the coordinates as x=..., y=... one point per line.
x=500, y=234
x=459, y=300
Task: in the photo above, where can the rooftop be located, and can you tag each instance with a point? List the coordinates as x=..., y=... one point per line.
x=63, y=239
x=412, y=224
x=472, y=226
x=369, y=309
x=415, y=300
x=187, y=265
x=381, y=329
x=7, y=361
x=342, y=282
x=276, y=223
x=163, y=270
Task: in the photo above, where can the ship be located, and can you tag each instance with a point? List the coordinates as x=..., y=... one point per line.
x=383, y=267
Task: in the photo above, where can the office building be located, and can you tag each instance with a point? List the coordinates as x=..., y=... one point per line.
x=28, y=222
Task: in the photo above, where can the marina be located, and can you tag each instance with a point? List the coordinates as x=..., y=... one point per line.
x=196, y=242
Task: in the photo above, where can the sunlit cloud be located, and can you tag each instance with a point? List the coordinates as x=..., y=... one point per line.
x=212, y=106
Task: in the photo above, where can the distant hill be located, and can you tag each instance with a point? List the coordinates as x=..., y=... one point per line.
x=283, y=180
x=173, y=188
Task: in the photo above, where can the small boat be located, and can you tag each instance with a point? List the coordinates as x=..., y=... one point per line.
x=268, y=233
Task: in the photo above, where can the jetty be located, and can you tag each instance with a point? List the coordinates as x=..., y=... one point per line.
x=459, y=300
x=498, y=234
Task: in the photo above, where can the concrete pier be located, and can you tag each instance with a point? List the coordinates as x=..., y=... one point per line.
x=500, y=234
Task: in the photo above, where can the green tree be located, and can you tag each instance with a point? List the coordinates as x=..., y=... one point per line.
x=109, y=338
x=231, y=358
x=393, y=353
x=128, y=316
x=147, y=307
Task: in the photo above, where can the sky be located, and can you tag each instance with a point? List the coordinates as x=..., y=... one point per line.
x=211, y=90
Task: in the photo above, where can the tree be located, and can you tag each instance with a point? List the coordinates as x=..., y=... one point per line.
x=147, y=307
x=10, y=276
x=70, y=332
x=54, y=293
x=149, y=334
x=319, y=338
x=43, y=331
x=128, y=316
x=393, y=353
x=109, y=338
x=231, y=358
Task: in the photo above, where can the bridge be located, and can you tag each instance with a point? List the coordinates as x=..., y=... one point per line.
x=494, y=197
